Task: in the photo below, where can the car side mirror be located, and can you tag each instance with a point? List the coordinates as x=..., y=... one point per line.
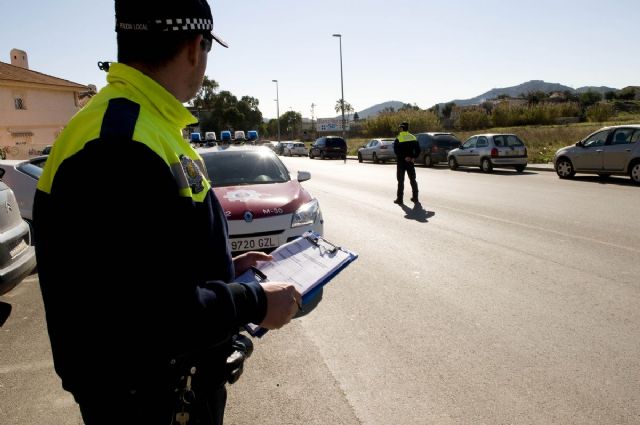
x=303, y=176
x=580, y=144
x=461, y=147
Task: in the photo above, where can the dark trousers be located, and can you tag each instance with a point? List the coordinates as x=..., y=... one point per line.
x=408, y=167
x=152, y=409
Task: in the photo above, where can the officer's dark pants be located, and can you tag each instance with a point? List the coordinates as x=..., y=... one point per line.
x=155, y=409
x=408, y=167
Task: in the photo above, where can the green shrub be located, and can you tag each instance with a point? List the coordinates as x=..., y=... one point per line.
x=386, y=124
x=600, y=112
x=470, y=119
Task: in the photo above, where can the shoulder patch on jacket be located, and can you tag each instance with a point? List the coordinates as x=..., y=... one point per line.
x=119, y=121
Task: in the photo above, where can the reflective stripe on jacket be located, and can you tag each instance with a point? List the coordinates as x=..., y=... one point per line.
x=161, y=132
x=406, y=145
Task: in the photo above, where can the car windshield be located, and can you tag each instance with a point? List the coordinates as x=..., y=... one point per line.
x=242, y=167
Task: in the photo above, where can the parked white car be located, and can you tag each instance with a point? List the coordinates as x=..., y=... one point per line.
x=295, y=148
x=17, y=254
x=489, y=151
x=377, y=150
x=22, y=177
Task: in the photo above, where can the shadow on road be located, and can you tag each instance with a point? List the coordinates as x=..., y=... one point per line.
x=604, y=180
x=5, y=312
x=417, y=213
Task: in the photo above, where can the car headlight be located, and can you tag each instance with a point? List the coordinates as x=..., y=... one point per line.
x=306, y=214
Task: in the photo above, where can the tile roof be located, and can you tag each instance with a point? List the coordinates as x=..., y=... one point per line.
x=15, y=73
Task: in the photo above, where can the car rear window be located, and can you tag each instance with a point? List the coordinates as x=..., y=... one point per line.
x=31, y=170
x=447, y=142
x=507, y=140
x=336, y=143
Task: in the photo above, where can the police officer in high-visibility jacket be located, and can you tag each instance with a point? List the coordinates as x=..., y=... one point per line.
x=135, y=269
x=407, y=149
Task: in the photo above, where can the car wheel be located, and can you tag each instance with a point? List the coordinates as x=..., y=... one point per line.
x=564, y=169
x=321, y=155
x=486, y=166
x=453, y=164
x=520, y=168
x=359, y=157
x=310, y=155
x=375, y=158
x=428, y=162
x=634, y=172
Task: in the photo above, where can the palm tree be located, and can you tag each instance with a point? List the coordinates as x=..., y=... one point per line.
x=347, y=107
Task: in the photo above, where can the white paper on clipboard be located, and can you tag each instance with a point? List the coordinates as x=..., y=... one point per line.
x=309, y=262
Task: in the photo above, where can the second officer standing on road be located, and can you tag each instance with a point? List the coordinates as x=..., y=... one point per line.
x=407, y=149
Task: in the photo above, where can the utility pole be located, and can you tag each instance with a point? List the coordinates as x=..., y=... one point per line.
x=313, y=109
x=277, y=108
x=341, y=86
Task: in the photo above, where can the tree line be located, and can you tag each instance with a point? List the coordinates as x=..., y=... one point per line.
x=221, y=110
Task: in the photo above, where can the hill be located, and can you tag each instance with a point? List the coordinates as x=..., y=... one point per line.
x=376, y=109
x=530, y=86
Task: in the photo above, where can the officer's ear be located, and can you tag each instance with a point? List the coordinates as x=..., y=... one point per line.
x=194, y=50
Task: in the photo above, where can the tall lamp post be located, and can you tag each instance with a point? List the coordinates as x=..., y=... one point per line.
x=341, y=84
x=277, y=107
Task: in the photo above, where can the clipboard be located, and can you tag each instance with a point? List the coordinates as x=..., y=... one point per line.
x=309, y=262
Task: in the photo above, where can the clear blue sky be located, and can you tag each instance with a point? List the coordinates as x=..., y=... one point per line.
x=415, y=51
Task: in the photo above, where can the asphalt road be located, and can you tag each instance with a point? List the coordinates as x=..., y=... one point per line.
x=502, y=298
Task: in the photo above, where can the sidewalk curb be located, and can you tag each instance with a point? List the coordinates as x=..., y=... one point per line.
x=532, y=167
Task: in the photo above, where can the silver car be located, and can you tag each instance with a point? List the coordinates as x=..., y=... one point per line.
x=22, y=175
x=489, y=151
x=295, y=148
x=17, y=255
x=377, y=150
x=610, y=150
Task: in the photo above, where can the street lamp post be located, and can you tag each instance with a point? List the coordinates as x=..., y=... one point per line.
x=277, y=107
x=341, y=85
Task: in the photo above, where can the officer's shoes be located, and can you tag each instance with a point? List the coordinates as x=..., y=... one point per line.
x=414, y=200
x=398, y=201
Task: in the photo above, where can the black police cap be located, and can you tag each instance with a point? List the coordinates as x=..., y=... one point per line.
x=191, y=16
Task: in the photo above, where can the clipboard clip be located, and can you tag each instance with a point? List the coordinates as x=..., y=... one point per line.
x=315, y=240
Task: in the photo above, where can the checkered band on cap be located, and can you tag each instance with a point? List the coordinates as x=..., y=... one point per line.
x=185, y=24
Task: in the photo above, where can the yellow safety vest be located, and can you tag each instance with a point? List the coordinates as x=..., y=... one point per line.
x=405, y=136
x=159, y=123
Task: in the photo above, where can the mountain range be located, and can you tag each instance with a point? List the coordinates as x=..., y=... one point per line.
x=524, y=88
x=513, y=91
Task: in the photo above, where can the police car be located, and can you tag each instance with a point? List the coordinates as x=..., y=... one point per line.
x=265, y=206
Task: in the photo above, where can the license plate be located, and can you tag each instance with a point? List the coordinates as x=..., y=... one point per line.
x=18, y=249
x=247, y=244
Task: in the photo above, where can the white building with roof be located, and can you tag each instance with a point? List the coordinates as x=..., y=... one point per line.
x=34, y=107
